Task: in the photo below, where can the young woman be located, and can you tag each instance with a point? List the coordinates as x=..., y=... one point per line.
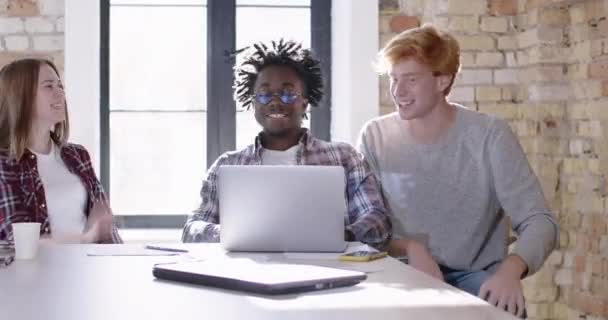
x=43, y=178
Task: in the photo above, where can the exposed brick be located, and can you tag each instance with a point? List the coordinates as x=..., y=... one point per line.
x=591, y=129
x=456, y=7
x=580, y=32
x=17, y=43
x=509, y=94
x=539, y=310
x=52, y=7
x=534, y=294
x=440, y=23
x=602, y=26
x=548, y=92
x=474, y=76
x=388, y=6
x=3, y=7
x=605, y=88
x=488, y=93
x=531, y=19
x=534, y=4
x=462, y=94
x=507, y=43
x=7, y=57
x=581, y=51
x=494, y=24
x=503, y=110
x=599, y=286
x=594, y=9
x=599, y=69
x=11, y=25
x=604, y=250
x=476, y=42
x=384, y=24
x=401, y=23
x=547, y=54
x=577, y=14
x=555, y=258
x=587, y=89
x=511, y=60
x=489, y=59
x=412, y=7
x=60, y=25
x=467, y=59
x=522, y=57
x=48, y=43
x=542, y=73
x=505, y=76
x=468, y=24
x=503, y=7
x=556, y=17
x=22, y=8
x=38, y=25
x=597, y=47
x=540, y=35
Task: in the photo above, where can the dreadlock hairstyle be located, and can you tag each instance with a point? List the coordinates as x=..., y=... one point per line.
x=284, y=53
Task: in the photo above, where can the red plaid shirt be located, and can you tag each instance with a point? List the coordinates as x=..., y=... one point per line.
x=22, y=197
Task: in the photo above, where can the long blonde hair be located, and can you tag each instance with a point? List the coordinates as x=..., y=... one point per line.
x=18, y=87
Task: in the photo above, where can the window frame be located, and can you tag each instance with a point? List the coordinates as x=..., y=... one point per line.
x=221, y=107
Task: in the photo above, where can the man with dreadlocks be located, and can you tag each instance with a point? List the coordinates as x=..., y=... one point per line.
x=280, y=81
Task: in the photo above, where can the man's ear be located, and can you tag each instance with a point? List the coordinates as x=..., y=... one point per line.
x=305, y=109
x=443, y=81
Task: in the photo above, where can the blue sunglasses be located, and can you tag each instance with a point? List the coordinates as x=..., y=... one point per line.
x=286, y=97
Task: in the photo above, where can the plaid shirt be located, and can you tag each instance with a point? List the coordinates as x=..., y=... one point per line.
x=22, y=197
x=367, y=219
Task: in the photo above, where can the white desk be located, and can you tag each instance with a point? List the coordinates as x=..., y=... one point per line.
x=64, y=283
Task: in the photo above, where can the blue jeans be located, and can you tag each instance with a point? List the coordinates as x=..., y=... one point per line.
x=469, y=281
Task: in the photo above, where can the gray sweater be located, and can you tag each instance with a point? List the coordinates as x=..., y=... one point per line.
x=448, y=195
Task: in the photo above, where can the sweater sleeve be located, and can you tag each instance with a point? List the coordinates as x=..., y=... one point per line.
x=520, y=195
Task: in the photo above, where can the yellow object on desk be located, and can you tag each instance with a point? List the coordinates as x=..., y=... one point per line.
x=362, y=256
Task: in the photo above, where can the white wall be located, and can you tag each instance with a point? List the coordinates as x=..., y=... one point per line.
x=355, y=84
x=82, y=73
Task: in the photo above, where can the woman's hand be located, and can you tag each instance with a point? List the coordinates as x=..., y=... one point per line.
x=99, y=224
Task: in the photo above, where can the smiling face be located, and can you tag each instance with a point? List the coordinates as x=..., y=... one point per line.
x=279, y=116
x=415, y=90
x=50, y=107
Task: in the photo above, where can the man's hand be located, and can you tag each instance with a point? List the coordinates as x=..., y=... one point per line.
x=418, y=255
x=503, y=289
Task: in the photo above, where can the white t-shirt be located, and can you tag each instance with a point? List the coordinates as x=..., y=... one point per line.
x=65, y=194
x=276, y=158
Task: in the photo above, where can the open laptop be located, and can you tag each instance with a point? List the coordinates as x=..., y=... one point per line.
x=282, y=208
x=264, y=278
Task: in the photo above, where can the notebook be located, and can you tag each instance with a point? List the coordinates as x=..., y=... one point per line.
x=282, y=208
x=261, y=278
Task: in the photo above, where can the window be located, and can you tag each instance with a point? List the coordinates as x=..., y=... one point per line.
x=167, y=110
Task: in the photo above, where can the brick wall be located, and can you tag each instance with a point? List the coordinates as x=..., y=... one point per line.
x=32, y=28
x=543, y=66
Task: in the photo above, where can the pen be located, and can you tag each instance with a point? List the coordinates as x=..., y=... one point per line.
x=165, y=248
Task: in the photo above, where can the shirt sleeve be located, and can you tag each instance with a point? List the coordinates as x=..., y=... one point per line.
x=368, y=221
x=8, y=206
x=98, y=192
x=520, y=195
x=203, y=224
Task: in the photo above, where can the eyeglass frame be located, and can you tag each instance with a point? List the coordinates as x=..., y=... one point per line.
x=284, y=93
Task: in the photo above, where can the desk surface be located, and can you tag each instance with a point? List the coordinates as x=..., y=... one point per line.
x=64, y=283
